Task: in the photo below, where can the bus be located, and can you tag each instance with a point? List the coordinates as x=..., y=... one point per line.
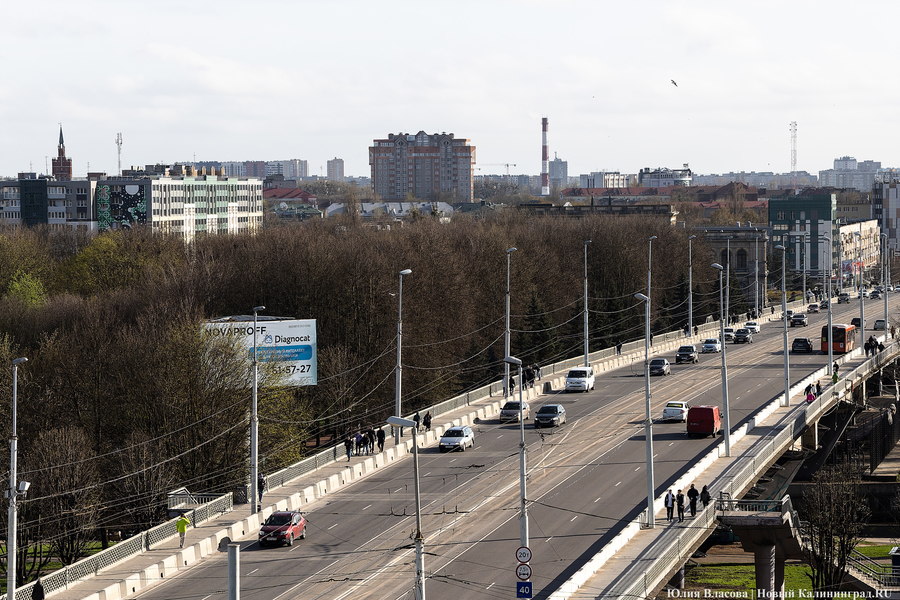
x=843, y=338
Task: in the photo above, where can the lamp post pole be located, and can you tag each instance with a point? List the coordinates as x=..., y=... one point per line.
x=884, y=292
x=727, y=281
x=506, y=337
x=804, y=256
x=862, y=310
x=400, y=423
x=756, y=280
x=648, y=418
x=523, y=510
x=398, y=375
x=787, y=375
x=690, y=288
x=12, y=528
x=254, y=426
x=725, y=409
x=827, y=239
x=586, y=348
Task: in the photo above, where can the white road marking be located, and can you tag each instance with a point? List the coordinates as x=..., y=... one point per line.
x=332, y=527
x=365, y=507
x=573, y=518
x=617, y=485
x=549, y=538
x=253, y=571
x=638, y=469
x=490, y=586
x=597, y=500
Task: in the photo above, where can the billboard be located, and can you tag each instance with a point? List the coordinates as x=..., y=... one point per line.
x=291, y=343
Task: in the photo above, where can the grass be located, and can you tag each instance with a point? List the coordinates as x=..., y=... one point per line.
x=876, y=551
x=741, y=579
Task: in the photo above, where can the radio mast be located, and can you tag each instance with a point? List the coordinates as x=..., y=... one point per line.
x=119, y=146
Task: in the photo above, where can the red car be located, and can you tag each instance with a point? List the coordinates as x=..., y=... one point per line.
x=282, y=527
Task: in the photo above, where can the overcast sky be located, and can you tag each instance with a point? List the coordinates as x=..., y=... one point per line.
x=317, y=79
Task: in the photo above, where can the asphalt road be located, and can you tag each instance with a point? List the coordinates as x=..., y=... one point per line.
x=586, y=480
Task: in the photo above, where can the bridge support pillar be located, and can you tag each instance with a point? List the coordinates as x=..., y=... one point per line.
x=678, y=580
x=810, y=437
x=881, y=382
x=764, y=563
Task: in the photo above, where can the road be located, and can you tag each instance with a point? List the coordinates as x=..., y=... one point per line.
x=586, y=479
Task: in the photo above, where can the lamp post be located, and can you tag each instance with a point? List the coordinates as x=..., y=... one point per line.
x=756, y=280
x=506, y=337
x=690, y=288
x=398, y=375
x=254, y=427
x=523, y=511
x=827, y=238
x=400, y=423
x=884, y=253
x=648, y=421
x=587, y=362
x=14, y=492
x=728, y=280
x=862, y=310
x=787, y=375
x=725, y=409
x=804, y=256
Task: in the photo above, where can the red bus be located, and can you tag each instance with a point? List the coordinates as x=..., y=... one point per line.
x=843, y=338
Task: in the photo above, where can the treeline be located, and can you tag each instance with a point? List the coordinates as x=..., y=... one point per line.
x=121, y=400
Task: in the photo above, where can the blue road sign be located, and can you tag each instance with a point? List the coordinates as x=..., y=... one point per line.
x=523, y=589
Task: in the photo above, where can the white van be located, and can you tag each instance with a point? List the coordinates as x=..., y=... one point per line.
x=580, y=379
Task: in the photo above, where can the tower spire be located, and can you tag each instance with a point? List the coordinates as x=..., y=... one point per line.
x=62, y=143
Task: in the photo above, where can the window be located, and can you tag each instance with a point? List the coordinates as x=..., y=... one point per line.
x=742, y=259
x=781, y=215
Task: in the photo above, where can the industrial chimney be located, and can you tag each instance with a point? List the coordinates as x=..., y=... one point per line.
x=545, y=160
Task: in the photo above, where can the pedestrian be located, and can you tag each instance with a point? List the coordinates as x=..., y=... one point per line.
x=881, y=346
x=359, y=443
x=773, y=309
x=679, y=502
x=692, y=495
x=618, y=347
x=427, y=421
x=834, y=368
x=808, y=389
x=696, y=330
x=705, y=498
x=529, y=377
x=181, y=526
x=687, y=330
x=512, y=384
x=261, y=485
x=669, y=501
x=537, y=372
x=380, y=435
x=818, y=389
x=37, y=592
x=418, y=420
x=810, y=397
x=348, y=446
x=371, y=435
x=893, y=331
x=834, y=378
x=651, y=339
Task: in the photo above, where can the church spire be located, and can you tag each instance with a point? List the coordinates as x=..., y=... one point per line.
x=62, y=143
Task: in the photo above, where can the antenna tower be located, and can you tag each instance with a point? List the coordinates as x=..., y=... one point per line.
x=794, y=154
x=119, y=146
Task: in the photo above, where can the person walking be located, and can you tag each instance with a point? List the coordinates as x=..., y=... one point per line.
x=810, y=397
x=418, y=421
x=371, y=435
x=818, y=389
x=512, y=385
x=537, y=372
x=669, y=501
x=427, y=421
x=705, y=498
x=380, y=435
x=261, y=485
x=696, y=330
x=348, y=446
x=618, y=347
x=181, y=526
x=808, y=389
x=679, y=502
x=37, y=592
x=692, y=495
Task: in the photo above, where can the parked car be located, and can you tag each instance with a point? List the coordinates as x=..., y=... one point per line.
x=704, y=420
x=743, y=336
x=711, y=345
x=457, y=438
x=812, y=308
x=879, y=324
x=510, y=411
x=550, y=415
x=676, y=410
x=580, y=379
x=687, y=354
x=660, y=366
x=855, y=322
x=753, y=326
x=799, y=320
x=801, y=344
x=282, y=527
x=729, y=333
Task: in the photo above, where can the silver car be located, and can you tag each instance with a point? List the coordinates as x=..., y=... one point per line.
x=510, y=411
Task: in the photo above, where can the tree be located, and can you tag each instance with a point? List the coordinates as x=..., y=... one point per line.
x=26, y=288
x=836, y=512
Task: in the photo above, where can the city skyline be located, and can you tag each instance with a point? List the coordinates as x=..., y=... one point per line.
x=624, y=87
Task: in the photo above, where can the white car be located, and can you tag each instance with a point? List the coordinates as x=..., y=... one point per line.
x=729, y=333
x=711, y=345
x=457, y=438
x=676, y=410
x=580, y=379
x=510, y=411
x=753, y=326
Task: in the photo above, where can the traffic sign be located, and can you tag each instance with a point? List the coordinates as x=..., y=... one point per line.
x=523, y=589
x=523, y=554
x=523, y=572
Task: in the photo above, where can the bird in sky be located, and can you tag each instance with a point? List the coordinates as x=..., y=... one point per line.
x=673, y=83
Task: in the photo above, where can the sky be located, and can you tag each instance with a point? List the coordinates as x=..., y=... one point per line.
x=318, y=79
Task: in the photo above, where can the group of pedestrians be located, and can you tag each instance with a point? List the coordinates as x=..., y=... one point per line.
x=364, y=442
x=426, y=421
x=531, y=374
x=675, y=501
x=873, y=346
x=813, y=391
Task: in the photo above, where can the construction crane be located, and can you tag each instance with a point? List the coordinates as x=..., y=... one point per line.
x=507, y=165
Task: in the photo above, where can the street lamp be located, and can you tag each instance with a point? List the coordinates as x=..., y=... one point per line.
x=648, y=422
x=728, y=279
x=756, y=265
x=254, y=427
x=14, y=492
x=787, y=376
x=884, y=254
x=690, y=288
x=827, y=238
x=726, y=412
x=398, y=381
x=862, y=310
x=400, y=423
x=804, y=256
x=523, y=511
x=587, y=362
x=506, y=337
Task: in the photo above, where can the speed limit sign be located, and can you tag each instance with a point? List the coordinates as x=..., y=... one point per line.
x=523, y=554
x=523, y=572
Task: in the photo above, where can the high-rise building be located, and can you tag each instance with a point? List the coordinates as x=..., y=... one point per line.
x=422, y=165
x=62, y=165
x=291, y=169
x=336, y=169
x=559, y=173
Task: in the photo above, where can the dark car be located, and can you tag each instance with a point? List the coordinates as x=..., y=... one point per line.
x=282, y=527
x=743, y=336
x=550, y=415
x=799, y=320
x=687, y=354
x=801, y=345
x=855, y=322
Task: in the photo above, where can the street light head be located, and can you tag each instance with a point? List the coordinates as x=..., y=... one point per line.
x=586, y=242
x=510, y=250
x=258, y=308
x=23, y=486
x=19, y=361
x=718, y=266
x=692, y=237
x=512, y=360
x=652, y=238
x=401, y=422
x=406, y=271
x=642, y=297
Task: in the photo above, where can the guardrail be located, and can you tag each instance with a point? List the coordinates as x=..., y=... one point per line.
x=879, y=575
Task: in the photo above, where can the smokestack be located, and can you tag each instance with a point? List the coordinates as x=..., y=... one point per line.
x=545, y=158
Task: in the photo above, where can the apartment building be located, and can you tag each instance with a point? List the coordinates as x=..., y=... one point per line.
x=336, y=169
x=423, y=166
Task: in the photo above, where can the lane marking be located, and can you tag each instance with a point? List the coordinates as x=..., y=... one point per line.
x=332, y=527
x=617, y=485
x=490, y=586
x=365, y=507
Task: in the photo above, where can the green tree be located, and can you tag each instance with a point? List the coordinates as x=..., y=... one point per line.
x=26, y=288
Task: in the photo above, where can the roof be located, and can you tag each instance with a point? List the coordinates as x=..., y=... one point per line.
x=288, y=194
